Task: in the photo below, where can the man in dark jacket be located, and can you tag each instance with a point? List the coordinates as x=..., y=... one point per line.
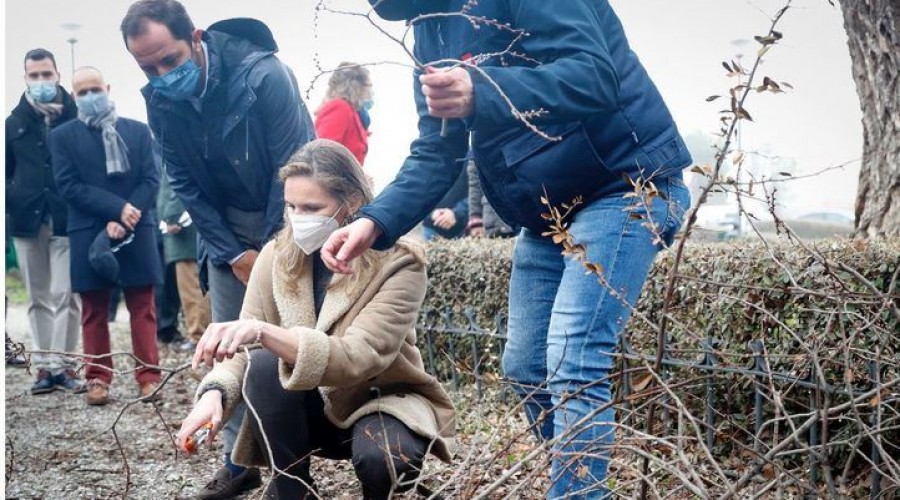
x=37, y=222
x=106, y=171
x=227, y=114
x=565, y=67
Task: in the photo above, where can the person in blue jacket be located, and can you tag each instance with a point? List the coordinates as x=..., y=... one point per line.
x=568, y=66
x=227, y=114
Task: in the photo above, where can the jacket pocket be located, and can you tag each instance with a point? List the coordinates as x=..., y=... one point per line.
x=562, y=169
x=12, y=196
x=23, y=205
x=670, y=157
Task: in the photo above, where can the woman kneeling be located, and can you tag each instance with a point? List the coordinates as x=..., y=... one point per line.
x=333, y=369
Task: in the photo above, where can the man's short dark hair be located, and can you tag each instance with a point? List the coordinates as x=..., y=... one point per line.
x=169, y=13
x=39, y=55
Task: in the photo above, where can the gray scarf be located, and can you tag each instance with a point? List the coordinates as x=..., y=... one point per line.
x=113, y=144
x=49, y=110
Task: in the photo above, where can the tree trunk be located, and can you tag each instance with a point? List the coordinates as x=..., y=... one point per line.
x=874, y=40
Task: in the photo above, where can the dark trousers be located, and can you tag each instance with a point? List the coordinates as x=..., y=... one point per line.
x=168, y=303
x=296, y=427
x=95, y=333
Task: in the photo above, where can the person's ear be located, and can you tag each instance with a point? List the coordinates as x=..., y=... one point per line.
x=196, y=38
x=108, y=87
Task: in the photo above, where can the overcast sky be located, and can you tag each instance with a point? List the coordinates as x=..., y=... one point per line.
x=682, y=44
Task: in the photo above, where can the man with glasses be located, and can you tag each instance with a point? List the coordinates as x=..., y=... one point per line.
x=36, y=218
x=106, y=170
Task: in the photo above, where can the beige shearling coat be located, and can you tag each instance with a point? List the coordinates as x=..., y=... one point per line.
x=360, y=352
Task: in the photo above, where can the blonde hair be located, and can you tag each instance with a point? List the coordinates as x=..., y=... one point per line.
x=350, y=82
x=333, y=167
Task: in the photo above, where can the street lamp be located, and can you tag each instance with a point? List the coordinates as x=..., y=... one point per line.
x=73, y=27
x=72, y=41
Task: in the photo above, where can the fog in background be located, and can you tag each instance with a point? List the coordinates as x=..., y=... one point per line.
x=681, y=43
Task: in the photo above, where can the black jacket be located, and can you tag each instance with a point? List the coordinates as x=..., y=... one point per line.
x=30, y=188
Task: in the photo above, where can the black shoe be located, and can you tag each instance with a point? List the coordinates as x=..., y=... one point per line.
x=15, y=360
x=69, y=381
x=224, y=487
x=169, y=335
x=45, y=383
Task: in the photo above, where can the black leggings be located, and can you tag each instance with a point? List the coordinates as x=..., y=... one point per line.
x=296, y=427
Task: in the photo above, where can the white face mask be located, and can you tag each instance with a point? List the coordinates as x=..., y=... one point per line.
x=311, y=231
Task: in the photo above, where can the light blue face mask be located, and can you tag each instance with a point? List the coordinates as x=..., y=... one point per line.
x=93, y=104
x=179, y=84
x=368, y=104
x=42, y=90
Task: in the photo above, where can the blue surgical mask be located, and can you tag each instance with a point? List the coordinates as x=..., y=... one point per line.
x=365, y=118
x=368, y=104
x=42, y=90
x=93, y=104
x=179, y=84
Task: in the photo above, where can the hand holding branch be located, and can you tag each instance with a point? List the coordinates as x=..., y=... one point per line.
x=448, y=93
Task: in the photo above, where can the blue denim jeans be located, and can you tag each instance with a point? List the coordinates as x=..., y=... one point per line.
x=564, y=326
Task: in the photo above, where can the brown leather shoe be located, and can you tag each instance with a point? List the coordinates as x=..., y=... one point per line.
x=146, y=389
x=97, y=393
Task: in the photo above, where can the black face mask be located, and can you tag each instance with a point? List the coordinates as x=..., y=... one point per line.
x=404, y=10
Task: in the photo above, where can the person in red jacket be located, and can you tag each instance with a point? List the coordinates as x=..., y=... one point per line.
x=344, y=115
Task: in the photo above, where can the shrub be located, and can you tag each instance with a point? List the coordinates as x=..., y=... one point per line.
x=824, y=304
x=735, y=292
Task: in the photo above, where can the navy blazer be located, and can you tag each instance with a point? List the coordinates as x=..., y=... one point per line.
x=94, y=198
x=574, y=70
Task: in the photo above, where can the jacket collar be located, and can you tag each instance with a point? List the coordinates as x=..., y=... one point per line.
x=297, y=309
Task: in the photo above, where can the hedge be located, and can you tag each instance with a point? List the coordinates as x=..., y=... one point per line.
x=735, y=292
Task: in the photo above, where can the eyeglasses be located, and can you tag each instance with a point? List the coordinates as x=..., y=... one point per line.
x=128, y=239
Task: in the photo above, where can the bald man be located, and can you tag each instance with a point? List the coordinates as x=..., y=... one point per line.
x=106, y=170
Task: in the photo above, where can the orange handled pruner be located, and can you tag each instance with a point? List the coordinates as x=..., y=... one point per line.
x=198, y=438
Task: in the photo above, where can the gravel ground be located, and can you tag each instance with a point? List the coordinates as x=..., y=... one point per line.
x=59, y=448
